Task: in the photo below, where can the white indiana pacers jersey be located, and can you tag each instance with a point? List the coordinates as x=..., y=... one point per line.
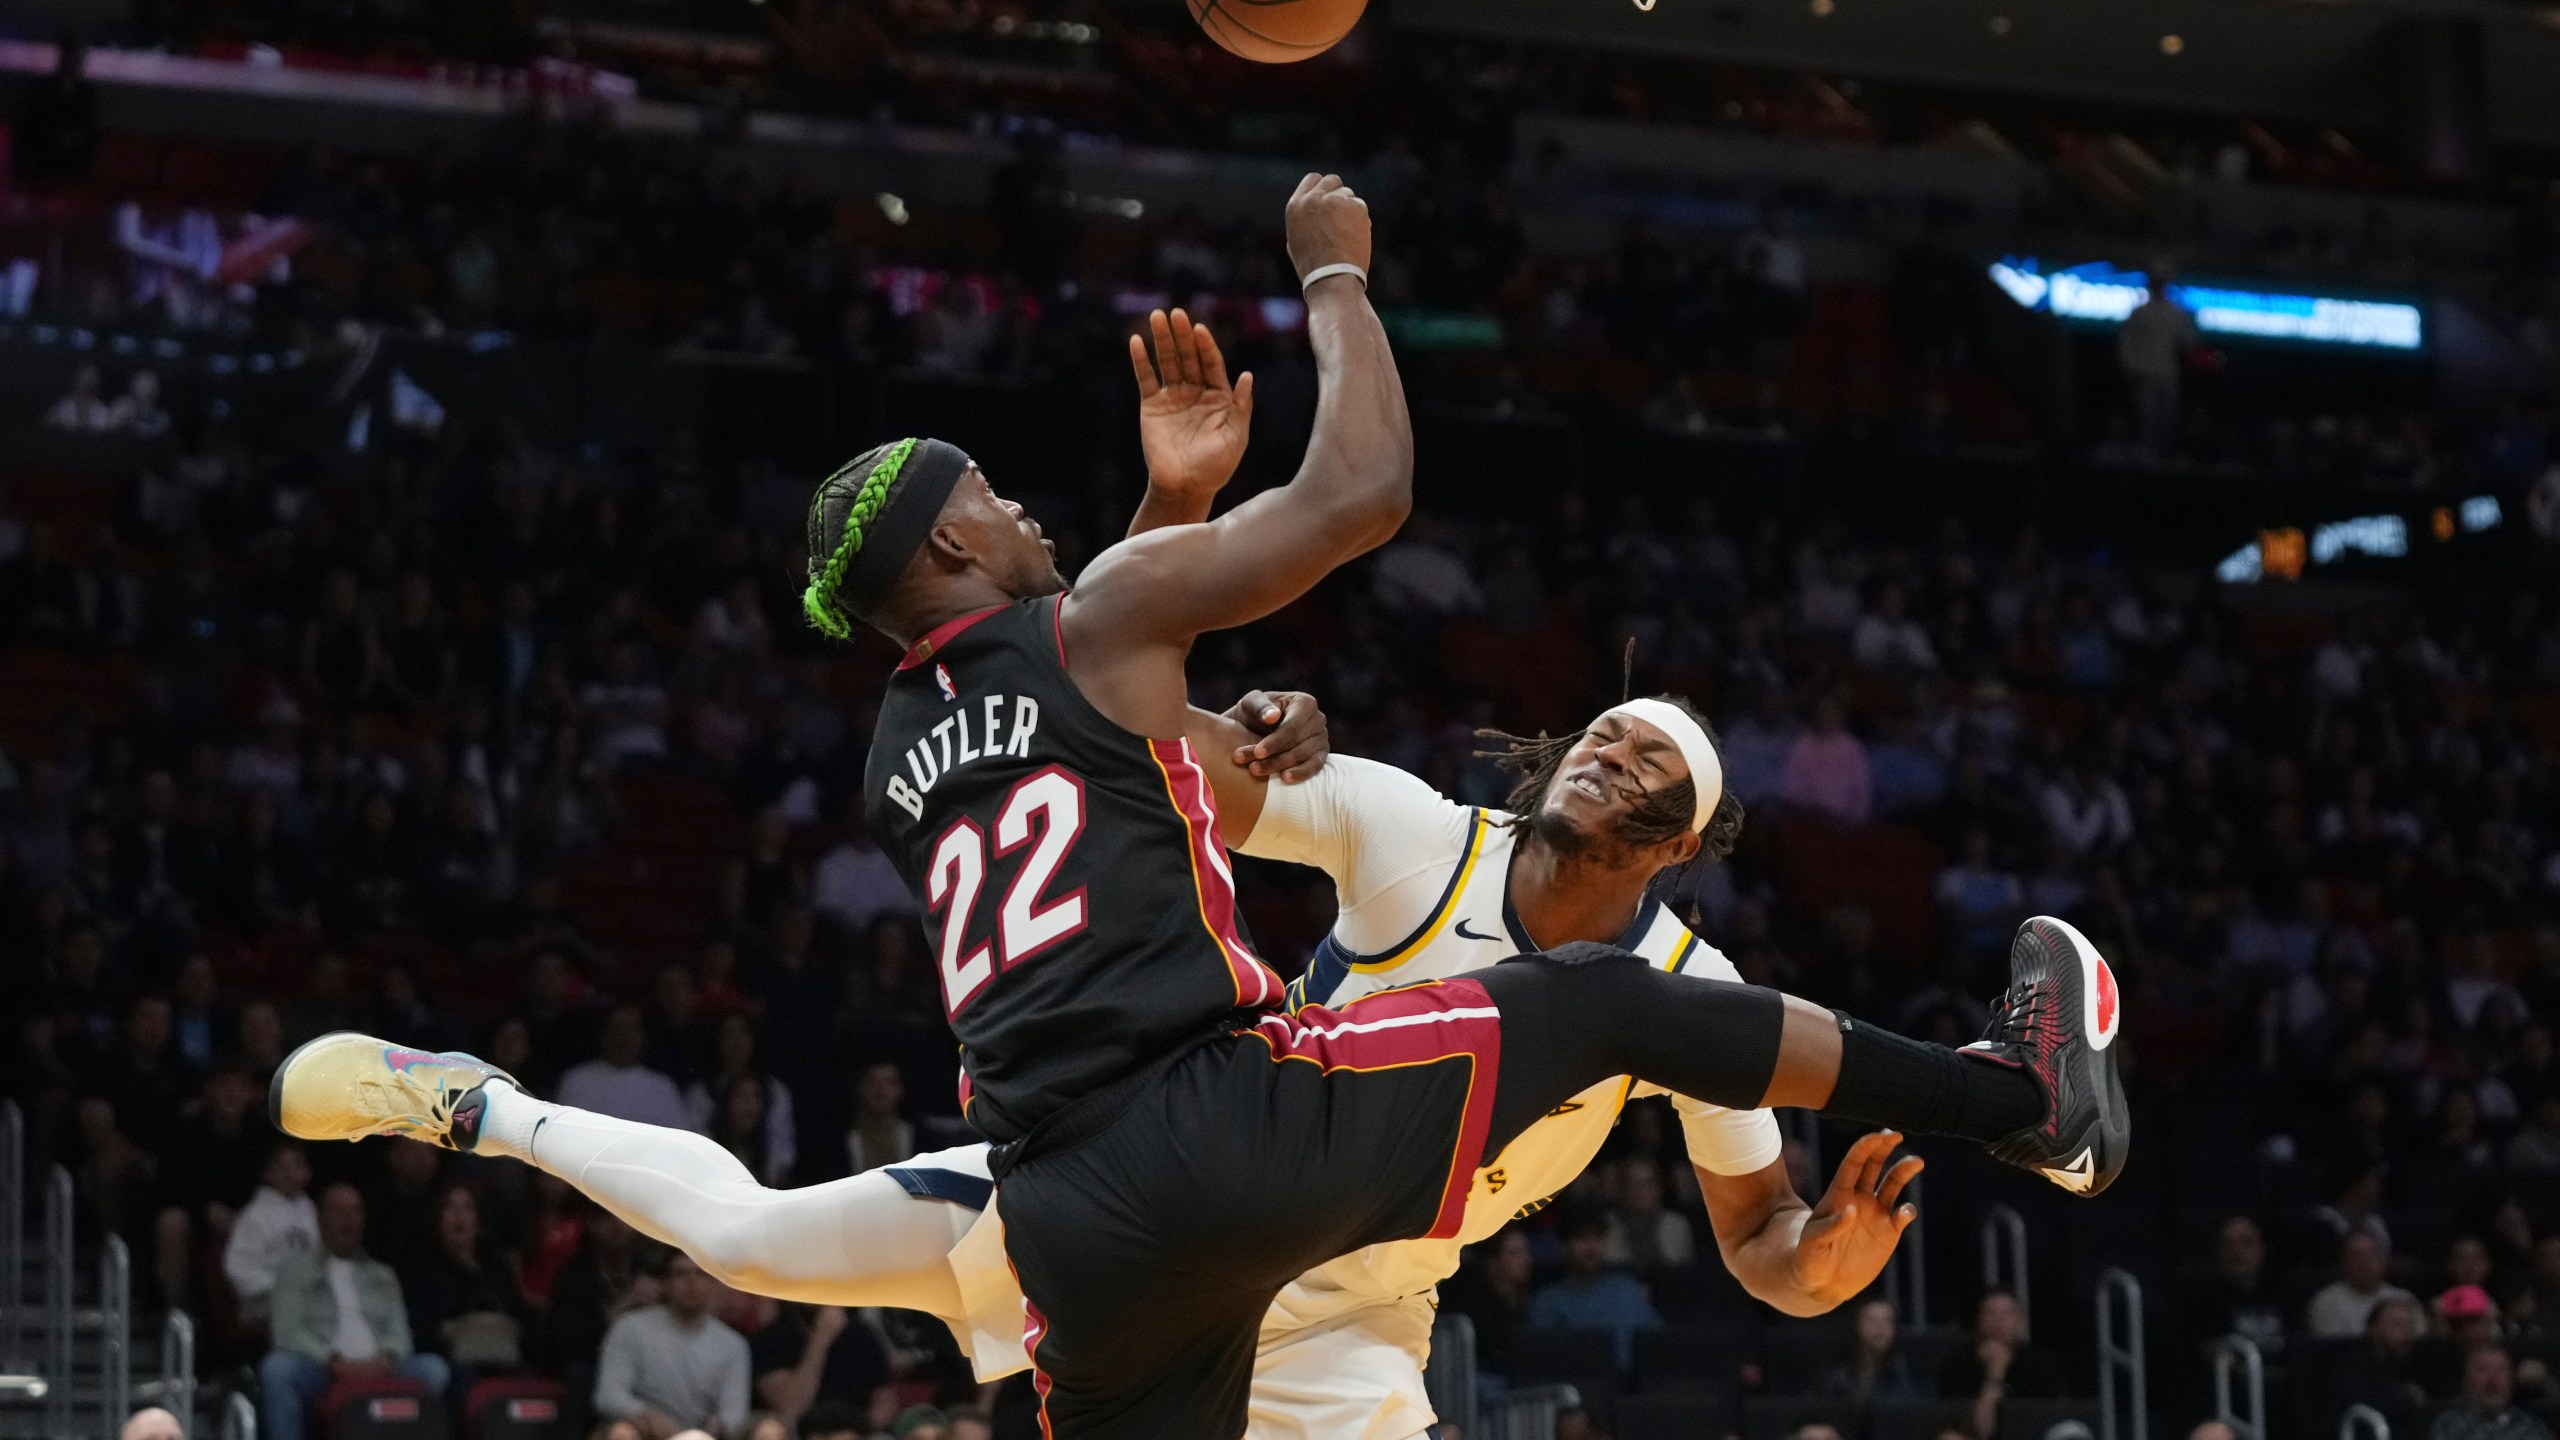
x=1423, y=888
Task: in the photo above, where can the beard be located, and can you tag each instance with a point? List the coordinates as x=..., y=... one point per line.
x=1607, y=846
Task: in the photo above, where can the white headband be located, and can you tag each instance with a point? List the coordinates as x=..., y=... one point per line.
x=1706, y=768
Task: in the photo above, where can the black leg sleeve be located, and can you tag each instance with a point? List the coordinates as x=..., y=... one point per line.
x=1579, y=1014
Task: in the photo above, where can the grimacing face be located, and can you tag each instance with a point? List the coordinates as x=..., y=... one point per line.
x=1617, y=764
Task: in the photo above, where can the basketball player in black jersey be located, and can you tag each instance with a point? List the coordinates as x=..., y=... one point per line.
x=1172, y=1147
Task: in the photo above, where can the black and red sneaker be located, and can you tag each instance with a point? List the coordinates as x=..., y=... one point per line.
x=2058, y=1022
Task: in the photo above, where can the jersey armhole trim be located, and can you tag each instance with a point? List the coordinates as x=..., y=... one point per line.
x=1394, y=955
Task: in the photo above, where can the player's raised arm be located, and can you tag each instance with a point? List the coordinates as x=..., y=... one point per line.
x=1192, y=424
x=1353, y=490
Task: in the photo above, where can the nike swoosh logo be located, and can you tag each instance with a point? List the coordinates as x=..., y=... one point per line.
x=1466, y=934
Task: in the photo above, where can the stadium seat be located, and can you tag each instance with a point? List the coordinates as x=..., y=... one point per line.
x=1801, y=1352
x=1704, y=1354
x=383, y=1407
x=2037, y=1419
x=1918, y=1419
x=1584, y=1359
x=1774, y=1417
x=1673, y=1417
x=515, y=1408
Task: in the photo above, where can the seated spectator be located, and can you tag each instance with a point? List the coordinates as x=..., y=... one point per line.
x=85, y=407
x=803, y=1352
x=1826, y=767
x=1875, y=1367
x=337, y=1312
x=208, y=1173
x=1643, y=1237
x=830, y=1420
x=2487, y=1410
x=1492, y=1290
x=2382, y=1370
x=2236, y=1297
x=603, y=1281
x=616, y=1083
x=2339, y=1310
x=1888, y=639
x=1981, y=899
x=765, y=1425
x=921, y=1422
x=735, y=1062
x=278, y=1223
x=855, y=883
x=672, y=1365
x=1999, y=1364
x=881, y=1134
x=462, y=1304
x=152, y=1423
x=1591, y=1296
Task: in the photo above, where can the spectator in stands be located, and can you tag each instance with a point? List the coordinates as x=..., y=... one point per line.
x=210, y=1170
x=1826, y=767
x=152, y=1423
x=2339, y=1310
x=605, y=1280
x=2151, y=348
x=462, y=1302
x=670, y=1365
x=2236, y=1297
x=2085, y=811
x=1644, y=1238
x=880, y=1134
x=278, y=1223
x=2381, y=1370
x=735, y=1065
x=1888, y=640
x=1493, y=1290
x=802, y=1352
x=830, y=1420
x=921, y=1422
x=85, y=408
x=855, y=883
x=1980, y=898
x=617, y=1083
x=1875, y=1367
x=1999, y=1364
x=2487, y=1409
x=1590, y=1296
x=337, y=1313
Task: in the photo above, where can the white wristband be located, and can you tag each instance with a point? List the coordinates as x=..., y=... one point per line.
x=1339, y=267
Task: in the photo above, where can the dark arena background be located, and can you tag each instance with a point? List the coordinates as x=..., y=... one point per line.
x=407, y=412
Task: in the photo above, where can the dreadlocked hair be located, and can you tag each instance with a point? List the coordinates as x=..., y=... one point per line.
x=841, y=510
x=1659, y=816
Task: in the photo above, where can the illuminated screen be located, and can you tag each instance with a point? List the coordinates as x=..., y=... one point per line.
x=2098, y=293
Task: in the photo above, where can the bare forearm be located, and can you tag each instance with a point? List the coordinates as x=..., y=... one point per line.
x=1360, y=457
x=1765, y=1262
x=1160, y=509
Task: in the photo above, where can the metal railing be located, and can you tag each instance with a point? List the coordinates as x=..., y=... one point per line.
x=239, y=1418
x=58, y=1299
x=1906, y=1275
x=1527, y=1414
x=2124, y=1398
x=2363, y=1422
x=2004, y=1238
x=175, y=1390
x=2240, y=1353
x=115, y=1337
x=1450, y=1378
x=13, y=1230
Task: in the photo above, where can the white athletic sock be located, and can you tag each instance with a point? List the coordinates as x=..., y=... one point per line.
x=509, y=1120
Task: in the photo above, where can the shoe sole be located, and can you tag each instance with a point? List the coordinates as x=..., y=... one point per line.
x=2101, y=1019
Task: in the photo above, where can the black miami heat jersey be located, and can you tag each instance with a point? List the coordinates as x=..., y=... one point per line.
x=1078, y=903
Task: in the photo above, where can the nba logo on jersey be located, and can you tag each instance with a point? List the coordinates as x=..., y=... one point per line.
x=942, y=678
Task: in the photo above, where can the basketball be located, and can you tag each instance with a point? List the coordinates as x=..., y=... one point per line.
x=1276, y=32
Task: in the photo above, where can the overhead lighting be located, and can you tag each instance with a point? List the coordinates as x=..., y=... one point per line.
x=1822, y=8
x=892, y=209
x=1999, y=24
x=2171, y=45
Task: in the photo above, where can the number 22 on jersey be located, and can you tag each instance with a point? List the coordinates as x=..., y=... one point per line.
x=1044, y=810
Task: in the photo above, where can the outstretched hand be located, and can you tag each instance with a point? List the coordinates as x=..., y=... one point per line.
x=1191, y=423
x=1850, y=1236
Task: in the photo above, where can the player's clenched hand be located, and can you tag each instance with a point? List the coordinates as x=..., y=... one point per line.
x=1295, y=738
x=1851, y=1234
x=1191, y=422
x=1328, y=225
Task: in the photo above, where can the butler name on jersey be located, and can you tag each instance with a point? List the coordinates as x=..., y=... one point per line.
x=1076, y=897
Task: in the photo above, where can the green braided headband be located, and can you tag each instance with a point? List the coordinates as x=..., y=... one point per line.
x=819, y=602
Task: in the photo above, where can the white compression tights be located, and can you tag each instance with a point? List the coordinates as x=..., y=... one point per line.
x=858, y=1241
